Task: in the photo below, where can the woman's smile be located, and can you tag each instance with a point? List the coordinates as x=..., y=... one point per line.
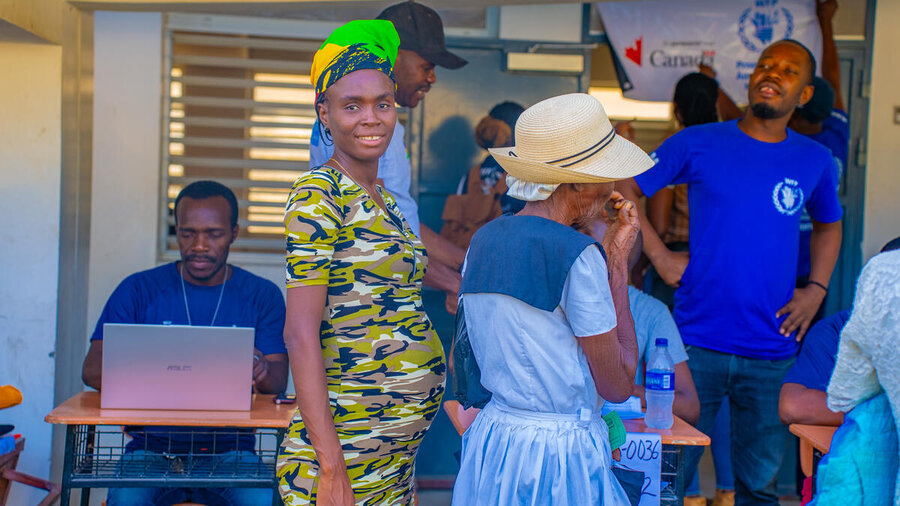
x=370, y=140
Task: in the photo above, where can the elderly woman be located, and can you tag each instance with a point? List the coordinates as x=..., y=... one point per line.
x=368, y=367
x=547, y=314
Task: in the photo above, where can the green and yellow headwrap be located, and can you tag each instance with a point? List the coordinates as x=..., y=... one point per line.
x=357, y=45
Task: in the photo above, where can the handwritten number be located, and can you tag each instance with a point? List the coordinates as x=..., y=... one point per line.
x=643, y=450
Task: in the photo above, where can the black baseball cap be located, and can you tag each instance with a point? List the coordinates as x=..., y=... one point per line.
x=819, y=106
x=421, y=30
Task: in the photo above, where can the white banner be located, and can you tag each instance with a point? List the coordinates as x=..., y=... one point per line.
x=657, y=42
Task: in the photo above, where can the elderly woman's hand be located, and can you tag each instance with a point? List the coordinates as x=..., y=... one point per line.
x=623, y=225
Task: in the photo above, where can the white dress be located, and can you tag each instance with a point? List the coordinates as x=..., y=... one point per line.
x=540, y=440
x=868, y=359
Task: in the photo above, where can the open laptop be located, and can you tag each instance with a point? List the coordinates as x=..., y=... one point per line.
x=177, y=367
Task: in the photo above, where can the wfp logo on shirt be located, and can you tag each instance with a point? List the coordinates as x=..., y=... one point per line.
x=763, y=23
x=788, y=196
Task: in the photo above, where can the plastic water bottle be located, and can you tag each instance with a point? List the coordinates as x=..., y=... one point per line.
x=659, y=389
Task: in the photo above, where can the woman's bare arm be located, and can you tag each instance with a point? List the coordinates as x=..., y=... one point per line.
x=613, y=356
x=305, y=306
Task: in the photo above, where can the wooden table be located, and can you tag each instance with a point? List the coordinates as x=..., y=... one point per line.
x=681, y=433
x=674, y=440
x=86, y=466
x=812, y=437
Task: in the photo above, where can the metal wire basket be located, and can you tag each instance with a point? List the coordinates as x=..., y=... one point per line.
x=671, y=467
x=106, y=455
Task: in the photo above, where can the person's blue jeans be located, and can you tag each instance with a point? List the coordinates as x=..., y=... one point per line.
x=757, y=434
x=720, y=445
x=135, y=463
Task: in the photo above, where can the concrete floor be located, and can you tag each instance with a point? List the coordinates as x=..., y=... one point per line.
x=442, y=498
x=434, y=497
x=708, y=481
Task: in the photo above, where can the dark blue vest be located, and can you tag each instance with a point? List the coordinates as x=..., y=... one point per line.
x=525, y=257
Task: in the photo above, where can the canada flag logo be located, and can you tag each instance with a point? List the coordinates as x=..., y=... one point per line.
x=634, y=53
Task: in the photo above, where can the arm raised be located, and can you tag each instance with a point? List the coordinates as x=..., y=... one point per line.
x=613, y=355
x=670, y=265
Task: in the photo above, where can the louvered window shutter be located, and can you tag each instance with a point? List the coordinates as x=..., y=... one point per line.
x=239, y=110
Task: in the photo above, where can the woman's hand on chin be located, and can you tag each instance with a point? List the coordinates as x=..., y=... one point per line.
x=623, y=225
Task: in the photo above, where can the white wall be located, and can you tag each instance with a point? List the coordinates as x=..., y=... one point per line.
x=30, y=91
x=882, y=208
x=128, y=64
x=127, y=87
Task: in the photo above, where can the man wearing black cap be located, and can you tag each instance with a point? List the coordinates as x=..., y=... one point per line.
x=422, y=46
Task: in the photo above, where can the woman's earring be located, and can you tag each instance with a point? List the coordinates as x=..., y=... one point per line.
x=327, y=131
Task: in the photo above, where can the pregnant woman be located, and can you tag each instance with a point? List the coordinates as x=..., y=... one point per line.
x=367, y=365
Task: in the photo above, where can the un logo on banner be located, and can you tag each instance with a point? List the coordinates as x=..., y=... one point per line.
x=788, y=196
x=763, y=23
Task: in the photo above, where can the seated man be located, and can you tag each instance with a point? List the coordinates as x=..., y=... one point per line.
x=201, y=289
x=803, y=397
x=653, y=320
x=803, y=393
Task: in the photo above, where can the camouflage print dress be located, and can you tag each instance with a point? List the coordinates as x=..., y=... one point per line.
x=383, y=361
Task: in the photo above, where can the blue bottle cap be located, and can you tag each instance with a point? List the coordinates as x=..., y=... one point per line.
x=662, y=341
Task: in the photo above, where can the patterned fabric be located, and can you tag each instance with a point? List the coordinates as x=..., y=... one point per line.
x=357, y=45
x=861, y=465
x=383, y=361
x=679, y=218
x=490, y=173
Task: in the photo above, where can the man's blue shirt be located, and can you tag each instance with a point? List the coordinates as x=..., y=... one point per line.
x=817, y=357
x=745, y=198
x=154, y=297
x=835, y=135
x=652, y=320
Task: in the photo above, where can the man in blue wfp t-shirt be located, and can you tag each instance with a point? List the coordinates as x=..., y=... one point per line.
x=736, y=305
x=200, y=289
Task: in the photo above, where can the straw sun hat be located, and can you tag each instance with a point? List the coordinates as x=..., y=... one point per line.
x=569, y=139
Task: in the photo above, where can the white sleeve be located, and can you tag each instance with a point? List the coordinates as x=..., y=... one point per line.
x=855, y=378
x=586, y=299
